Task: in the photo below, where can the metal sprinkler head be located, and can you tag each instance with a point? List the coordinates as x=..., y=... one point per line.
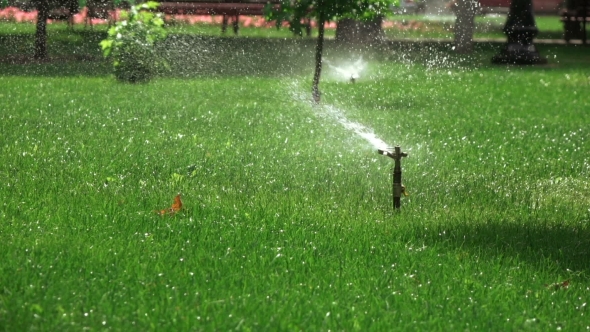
x=398, y=187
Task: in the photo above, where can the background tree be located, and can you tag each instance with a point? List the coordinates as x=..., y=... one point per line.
x=131, y=43
x=465, y=11
x=44, y=8
x=360, y=32
x=296, y=12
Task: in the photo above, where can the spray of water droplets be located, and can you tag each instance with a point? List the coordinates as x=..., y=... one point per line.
x=360, y=130
x=347, y=71
x=335, y=114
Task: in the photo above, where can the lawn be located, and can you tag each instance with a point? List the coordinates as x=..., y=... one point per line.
x=287, y=221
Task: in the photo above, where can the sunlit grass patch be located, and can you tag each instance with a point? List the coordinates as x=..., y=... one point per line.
x=558, y=191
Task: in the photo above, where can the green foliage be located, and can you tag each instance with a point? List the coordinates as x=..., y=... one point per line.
x=296, y=11
x=131, y=43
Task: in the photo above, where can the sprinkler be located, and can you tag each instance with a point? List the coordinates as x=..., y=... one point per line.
x=351, y=72
x=398, y=187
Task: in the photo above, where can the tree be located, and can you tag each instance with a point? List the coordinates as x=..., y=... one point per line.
x=131, y=43
x=295, y=12
x=464, y=24
x=44, y=8
x=355, y=32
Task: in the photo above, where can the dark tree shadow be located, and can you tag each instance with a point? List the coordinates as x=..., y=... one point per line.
x=77, y=53
x=563, y=245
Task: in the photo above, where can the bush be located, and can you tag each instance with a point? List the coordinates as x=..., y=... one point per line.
x=131, y=43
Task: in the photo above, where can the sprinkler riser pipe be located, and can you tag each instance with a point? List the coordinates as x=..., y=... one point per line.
x=397, y=190
x=397, y=179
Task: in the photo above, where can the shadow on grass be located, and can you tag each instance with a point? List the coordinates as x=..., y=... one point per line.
x=561, y=246
x=71, y=53
x=77, y=53
x=200, y=56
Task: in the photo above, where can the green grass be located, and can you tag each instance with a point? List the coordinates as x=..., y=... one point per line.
x=287, y=220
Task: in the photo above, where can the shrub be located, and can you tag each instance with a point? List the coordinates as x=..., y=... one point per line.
x=131, y=43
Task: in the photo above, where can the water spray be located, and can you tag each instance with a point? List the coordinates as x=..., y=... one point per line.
x=398, y=187
x=351, y=72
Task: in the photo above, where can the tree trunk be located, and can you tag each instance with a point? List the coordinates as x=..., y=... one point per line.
x=464, y=25
x=41, y=33
x=520, y=29
x=319, y=49
x=359, y=33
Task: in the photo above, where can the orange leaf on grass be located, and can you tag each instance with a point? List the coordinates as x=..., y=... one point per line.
x=176, y=206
